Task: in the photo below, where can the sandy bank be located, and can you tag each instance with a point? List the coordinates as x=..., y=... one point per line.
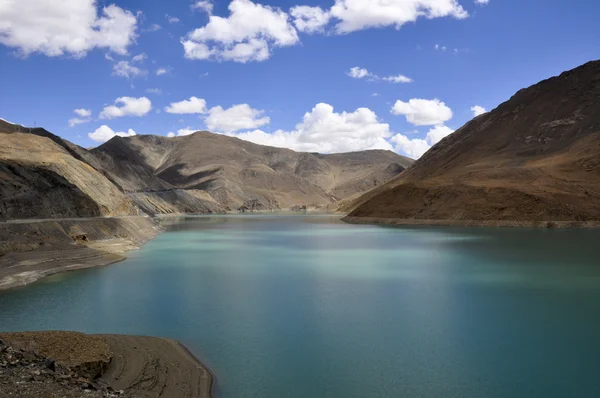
x=473, y=223
x=137, y=366
x=33, y=249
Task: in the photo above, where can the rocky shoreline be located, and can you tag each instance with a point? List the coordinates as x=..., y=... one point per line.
x=472, y=223
x=33, y=249
x=71, y=364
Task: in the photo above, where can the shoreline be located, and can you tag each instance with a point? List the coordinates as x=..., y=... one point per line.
x=87, y=363
x=33, y=250
x=471, y=223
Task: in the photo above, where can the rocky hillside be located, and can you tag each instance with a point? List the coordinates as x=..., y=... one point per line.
x=45, y=176
x=236, y=173
x=41, y=179
x=534, y=158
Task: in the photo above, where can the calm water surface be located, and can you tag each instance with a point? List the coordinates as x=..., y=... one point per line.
x=295, y=306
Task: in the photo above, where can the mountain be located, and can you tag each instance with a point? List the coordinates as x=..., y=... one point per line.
x=41, y=179
x=535, y=158
x=45, y=176
x=236, y=173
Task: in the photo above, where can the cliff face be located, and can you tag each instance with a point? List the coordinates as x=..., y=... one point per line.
x=534, y=158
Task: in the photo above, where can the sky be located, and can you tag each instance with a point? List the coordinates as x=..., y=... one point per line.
x=318, y=76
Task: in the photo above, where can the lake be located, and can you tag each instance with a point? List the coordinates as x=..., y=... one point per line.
x=308, y=306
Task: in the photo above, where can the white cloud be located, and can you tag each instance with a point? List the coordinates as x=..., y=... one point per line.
x=421, y=112
x=127, y=106
x=203, y=5
x=310, y=19
x=161, y=71
x=182, y=132
x=140, y=57
x=192, y=105
x=84, y=117
x=171, y=19
x=323, y=130
x=416, y=147
x=246, y=35
x=356, y=15
x=127, y=70
x=73, y=27
x=83, y=112
x=436, y=134
x=105, y=133
x=358, y=73
x=75, y=121
x=398, y=79
x=482, y=2
x=238, y=117
x=154, y=90
x=440, y=48
x=153, y=28
x=478, y=110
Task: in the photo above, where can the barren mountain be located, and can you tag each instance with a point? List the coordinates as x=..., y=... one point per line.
x=41, y=179
x=534, y=158
x=238, y=174
x=45, y=176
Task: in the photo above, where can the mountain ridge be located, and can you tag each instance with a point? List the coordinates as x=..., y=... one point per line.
x=536, y=157
x=199, y=173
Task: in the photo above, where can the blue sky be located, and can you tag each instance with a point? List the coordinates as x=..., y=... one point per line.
x=279, y=74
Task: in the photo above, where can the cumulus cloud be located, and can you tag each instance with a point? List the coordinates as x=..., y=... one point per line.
x=482, y=2
x=416, y=147
x=161, y=71
x=127, y=70
x=203, y=5
x=83, y=112
x=422, y=112
x=247, y=34
x=478, y=110
x=358, y=72
x=310, y=19
x=252, y=30
x=70, y=27
x=84, y=117
x=324, y=130
x=127, y=106
x=189, y=106
x=105, y=133
x=440, y=48
x=238, y=117
x=356, y=15
x=398, y=79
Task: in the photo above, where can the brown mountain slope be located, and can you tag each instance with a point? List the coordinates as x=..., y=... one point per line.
x=45, y=176
x=233, y=173
x=534, y=158
x=40, y=179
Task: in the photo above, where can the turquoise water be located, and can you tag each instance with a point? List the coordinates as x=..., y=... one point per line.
x=295, y=306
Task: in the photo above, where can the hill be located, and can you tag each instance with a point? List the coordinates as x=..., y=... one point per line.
x=535, y=158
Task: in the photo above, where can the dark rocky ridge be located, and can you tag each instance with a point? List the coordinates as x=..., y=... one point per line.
x=534, y=158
